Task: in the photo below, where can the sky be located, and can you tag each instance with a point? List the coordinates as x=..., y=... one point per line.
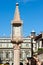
x=31, y=12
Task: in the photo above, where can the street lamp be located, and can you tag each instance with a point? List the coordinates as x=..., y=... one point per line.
x=31, y=50
x=31, y=47
x=33, y=61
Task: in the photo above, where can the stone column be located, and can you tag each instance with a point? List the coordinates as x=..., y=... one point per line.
x=10, y=55
x=4, y=55
x=16, y=54
x=10, y=62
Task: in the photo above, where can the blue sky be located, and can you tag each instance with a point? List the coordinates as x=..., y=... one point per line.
x=31, y=12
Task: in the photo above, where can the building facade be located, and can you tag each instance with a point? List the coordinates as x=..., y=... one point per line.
x=39, y=41
x=6, y=49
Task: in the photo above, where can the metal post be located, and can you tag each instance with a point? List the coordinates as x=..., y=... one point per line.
x=31, y=51
x=31, y=47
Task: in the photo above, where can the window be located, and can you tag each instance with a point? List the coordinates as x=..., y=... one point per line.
x=0, y=45
x=4, y=45
x=7, y=55
x=1, y=54
x=42, y=43
x=10, y=45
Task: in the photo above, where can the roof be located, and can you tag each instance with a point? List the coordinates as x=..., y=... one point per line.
x=40, y=36
x=17, y=20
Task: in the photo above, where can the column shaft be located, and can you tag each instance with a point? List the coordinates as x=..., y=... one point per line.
x=16, y=55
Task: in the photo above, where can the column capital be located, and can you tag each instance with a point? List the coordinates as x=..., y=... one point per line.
x=16, y=47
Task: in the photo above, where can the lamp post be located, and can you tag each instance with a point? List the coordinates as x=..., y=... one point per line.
x=32, y=50
x=32, y=47
x=33, y=61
